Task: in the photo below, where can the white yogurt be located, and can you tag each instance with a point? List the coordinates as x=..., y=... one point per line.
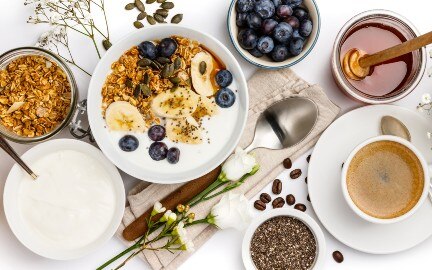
x=71, y=203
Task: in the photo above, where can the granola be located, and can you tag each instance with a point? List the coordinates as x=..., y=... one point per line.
x=35, y=96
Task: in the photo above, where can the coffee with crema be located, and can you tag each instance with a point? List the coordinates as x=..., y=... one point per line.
x=385, y=179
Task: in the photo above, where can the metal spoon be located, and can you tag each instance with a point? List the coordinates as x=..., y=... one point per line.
x=8, y=149
x=284, y=124
x=393, y=126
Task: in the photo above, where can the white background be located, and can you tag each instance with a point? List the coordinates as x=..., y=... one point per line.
x=223, y=250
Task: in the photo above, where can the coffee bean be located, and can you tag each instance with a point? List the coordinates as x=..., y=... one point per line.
x=265, y=198
x=277, y=187
x=295, y=174
x=308, y=198
x=259, y=205
x=306, y=179
x=338, y=256
x=278, y=202
x=287, y=163
x=300, y=207
x=308, y=158
x=290, y=199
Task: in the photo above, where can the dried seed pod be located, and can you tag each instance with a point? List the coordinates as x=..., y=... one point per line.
x=162, y=60
x=150, y=1
x=158, y=18
x=130, y=6
x=202, y=67
x=138, y=24
x=151, y=20
x=146, y=79
x=106, y=44
x=167, y=5
x=162, y=12
x=144, y=62
x=177, y=63
x=175, y=80
x=140, y=6
x=141, y=16
x=177, y=18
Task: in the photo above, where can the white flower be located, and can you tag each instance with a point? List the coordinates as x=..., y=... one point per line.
x=232, y=211
x=169, y=217
x=426, y=98
x=238, y=164
x=165, y=216
x=189, y=246
x=157, y=208
x=180, y=231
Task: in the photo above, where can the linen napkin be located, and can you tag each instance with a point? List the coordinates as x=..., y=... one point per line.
x=265, y=88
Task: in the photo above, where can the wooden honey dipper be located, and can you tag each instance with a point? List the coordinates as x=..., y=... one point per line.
x=356, y=63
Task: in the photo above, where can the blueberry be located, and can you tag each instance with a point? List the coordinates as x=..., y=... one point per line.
x=293, y=21
x=253, y=20
x=247, y=39
x=296, y=46
x=268, y=26
x=167, y=47
x=225, y=98
x=147, y=50
x=265, y=44
x=280, y=53
x=158, y=151
x=283, y=32
x=296, y=34
x=241, y=19
x=223, y=78
x=293, y=3
x=301, y=13
x=156, y=133
x=255, y=52
x=245, y=5
x=173, y=155
x=305, y=28
x=277, y=3
x=128, y=143
x=284, y=11
x=265, y=8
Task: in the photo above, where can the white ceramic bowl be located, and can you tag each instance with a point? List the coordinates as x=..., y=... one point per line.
x=97, y=123
x=266, y=62
x=313, y=226
x=422, y=198
x=16, y=222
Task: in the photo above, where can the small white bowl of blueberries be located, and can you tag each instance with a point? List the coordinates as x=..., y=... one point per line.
x=274, y=34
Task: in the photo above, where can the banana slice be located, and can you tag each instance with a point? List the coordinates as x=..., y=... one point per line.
x=206, y=106
x=123, y=116
x=185, y=130
x=202, y=84
x=177, y=104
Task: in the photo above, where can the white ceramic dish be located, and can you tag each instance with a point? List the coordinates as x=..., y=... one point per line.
x=313, y=226
x=426, y=176
x=12, y=211
x=161, y=171
x=265, y=62
x=325, y=190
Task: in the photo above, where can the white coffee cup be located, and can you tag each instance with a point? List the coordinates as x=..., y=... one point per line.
x=420, y=201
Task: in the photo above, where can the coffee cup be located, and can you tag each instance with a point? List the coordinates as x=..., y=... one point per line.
x=385, y=179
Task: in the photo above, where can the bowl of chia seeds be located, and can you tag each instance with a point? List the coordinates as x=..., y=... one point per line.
x=283, y=239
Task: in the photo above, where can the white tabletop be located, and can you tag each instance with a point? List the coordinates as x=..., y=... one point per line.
x=223, y=250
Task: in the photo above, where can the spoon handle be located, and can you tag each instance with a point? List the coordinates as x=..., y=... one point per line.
x=8, y=149
x=396, y=51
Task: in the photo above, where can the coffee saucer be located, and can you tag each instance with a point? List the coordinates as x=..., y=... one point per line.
x=324, y=182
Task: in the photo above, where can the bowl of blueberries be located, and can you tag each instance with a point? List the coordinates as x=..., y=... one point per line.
x=273, y=34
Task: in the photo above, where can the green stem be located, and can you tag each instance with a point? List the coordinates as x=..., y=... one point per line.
x=198, y=198
x=199, y=221
x=118, y=256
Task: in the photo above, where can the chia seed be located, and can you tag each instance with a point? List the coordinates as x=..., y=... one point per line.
x=283, y=243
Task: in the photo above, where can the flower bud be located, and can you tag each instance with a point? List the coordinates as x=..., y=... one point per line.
x=191, y=217
x=181, y=208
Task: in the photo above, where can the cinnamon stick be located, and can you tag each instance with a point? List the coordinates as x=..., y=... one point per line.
x=182, y=195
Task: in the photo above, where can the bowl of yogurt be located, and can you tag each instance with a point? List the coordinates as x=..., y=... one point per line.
x=74, y=206
x=167, y=105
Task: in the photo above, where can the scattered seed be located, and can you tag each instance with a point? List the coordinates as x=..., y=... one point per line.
x=144, y=62
x=277, y=187
x=140, y=6
x=145, y=90
x=162, y=60
x=137, y=91
x=167, y=5
x=151, y=20
x=290, y=199
x=138, y=24
x=308, y=198
x=106, y=44
x=308, y=158
x=162, y=12
x=158, y=18
x=338, y=256
x=295, y=174
x=130, y=6
x=287, y=163
x=265, y=198
x=202, y=67
x=146, y=79
x=278, y=202
x=177, y=18
x=306, y=180
x=141, y=16
x=175, y=80
x=177, y=63
x=259, y=205
x=300, y=207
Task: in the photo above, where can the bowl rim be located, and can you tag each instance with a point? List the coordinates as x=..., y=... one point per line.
x=238, y=131
x=10, y=200
x=305, y=218
x=304, y=54
x=27, y=50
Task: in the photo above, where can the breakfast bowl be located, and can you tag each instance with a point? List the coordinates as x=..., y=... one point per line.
x=41, y=104
x=265, y=60
x=303, y=223
x=174, y=70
